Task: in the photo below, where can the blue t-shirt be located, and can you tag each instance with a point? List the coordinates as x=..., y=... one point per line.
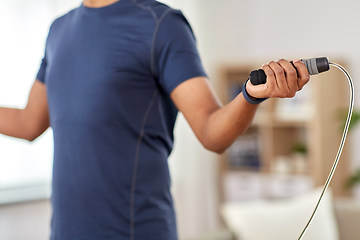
x=109, y=73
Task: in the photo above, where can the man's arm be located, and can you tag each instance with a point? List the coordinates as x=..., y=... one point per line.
x=216, y=126
x=28, y=123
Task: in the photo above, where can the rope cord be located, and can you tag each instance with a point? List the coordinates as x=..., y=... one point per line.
x=347, y=124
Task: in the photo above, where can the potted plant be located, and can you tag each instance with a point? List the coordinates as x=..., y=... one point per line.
x=299, y=157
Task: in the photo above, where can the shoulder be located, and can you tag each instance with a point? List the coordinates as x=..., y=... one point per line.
x=62, y=19
x=173, y=25
x=174, y=20
x=161, y=11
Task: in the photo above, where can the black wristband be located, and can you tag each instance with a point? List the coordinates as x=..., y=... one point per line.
x=248, y=99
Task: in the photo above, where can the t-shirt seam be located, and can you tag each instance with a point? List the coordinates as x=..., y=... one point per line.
x=158, y=23
x=142, y=130
x=146, y=8
x=137, y=153
x=152, y=62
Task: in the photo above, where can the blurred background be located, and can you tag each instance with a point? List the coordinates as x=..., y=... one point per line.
x=267, y=183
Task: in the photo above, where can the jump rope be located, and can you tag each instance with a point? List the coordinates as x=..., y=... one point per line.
x=316, y=66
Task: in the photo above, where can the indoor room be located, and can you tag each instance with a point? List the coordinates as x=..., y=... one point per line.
x=262, y=184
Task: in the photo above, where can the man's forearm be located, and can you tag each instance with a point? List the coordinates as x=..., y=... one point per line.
x=226, y=124
x=12, y=123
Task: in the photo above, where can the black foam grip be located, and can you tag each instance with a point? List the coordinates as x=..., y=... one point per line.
x=258, y=77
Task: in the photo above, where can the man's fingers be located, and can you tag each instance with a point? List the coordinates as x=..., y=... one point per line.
x=303, y=73
x=270, y=78
x=291, y=76
x=280, y=78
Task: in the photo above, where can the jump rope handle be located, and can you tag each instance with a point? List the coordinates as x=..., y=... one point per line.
x=314, y=66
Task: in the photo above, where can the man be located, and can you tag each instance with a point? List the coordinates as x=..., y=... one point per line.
x=112, y=74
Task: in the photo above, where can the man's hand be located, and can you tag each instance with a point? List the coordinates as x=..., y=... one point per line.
x=283, y=80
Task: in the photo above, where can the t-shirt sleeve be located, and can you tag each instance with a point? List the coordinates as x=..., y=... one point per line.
x=176, y=58
x=42, y=70
x=41, y=73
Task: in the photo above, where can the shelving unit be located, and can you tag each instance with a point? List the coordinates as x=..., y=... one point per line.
x=311, y=119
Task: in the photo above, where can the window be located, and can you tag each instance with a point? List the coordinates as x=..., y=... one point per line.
x=25, y=168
